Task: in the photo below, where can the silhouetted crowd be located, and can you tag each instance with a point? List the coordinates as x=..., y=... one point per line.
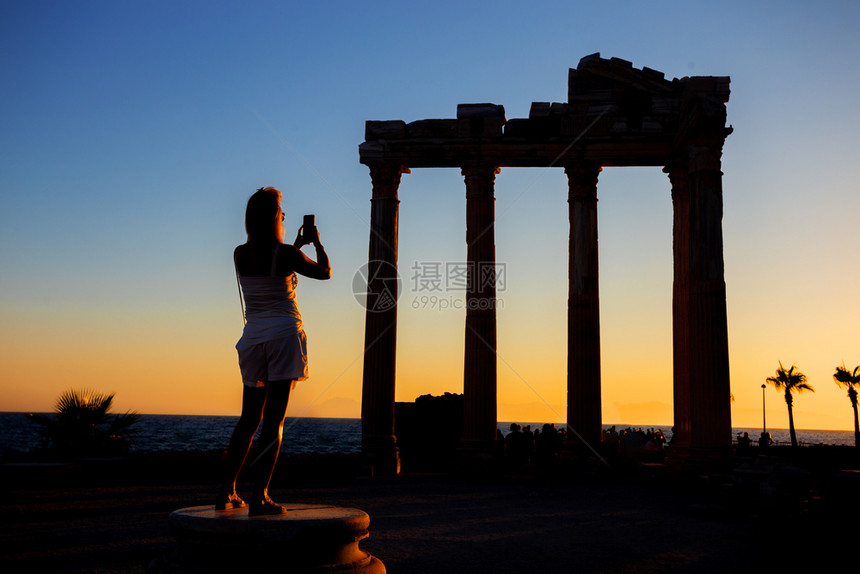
x=651, y=443
x=744, y=441
x=541, y=447
x=523, y=446
x=635, y=440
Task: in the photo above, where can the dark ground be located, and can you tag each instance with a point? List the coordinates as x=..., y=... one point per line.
x=111, y=516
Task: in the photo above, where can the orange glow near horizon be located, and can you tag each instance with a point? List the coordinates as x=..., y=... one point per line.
x=181, y=360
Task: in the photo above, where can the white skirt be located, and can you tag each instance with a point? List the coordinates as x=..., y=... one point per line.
x=284, y=359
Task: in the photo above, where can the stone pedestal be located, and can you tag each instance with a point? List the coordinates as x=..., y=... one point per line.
x=308, y=538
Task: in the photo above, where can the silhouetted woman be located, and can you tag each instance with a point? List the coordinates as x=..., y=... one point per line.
x=273, y=347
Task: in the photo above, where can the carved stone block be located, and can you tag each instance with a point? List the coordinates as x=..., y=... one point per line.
x=480, y=120
x=381, y=130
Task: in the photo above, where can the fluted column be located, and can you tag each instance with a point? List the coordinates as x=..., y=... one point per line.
x=708, y=367
x=479, y=372
x=583, y=306
x=378, y=442
x=680, y=306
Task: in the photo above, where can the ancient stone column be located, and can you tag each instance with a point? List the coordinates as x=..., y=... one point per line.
x=479, y=372
x=583, y=307
x=680, y=306
x=708, y=362
x=378, y=442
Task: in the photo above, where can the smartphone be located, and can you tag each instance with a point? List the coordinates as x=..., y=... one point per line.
x=308, y=228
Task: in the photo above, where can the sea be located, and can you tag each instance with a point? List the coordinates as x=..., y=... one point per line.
x=154, y=433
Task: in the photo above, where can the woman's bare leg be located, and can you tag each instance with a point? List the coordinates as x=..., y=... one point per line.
x=271, y=436
x=253, y=403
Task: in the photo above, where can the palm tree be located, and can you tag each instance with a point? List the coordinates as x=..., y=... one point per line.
x=845, y=379
x=790, y=381
x=82, y=424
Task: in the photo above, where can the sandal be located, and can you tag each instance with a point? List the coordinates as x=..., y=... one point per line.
x=266, y=507
x=231, y=500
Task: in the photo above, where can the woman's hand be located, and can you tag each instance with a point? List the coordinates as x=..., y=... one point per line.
x=300, y=237
x=301, y=263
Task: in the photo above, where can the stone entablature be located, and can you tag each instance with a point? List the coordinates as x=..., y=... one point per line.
x=615, y=115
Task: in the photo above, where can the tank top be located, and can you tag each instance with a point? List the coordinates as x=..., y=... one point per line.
x=271, y=310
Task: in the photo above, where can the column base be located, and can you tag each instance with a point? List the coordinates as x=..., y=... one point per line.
x=382, y=456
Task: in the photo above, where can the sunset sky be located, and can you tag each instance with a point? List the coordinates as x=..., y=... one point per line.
x=133, y=133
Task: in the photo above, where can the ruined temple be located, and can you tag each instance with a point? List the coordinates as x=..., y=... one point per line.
x=615, y=115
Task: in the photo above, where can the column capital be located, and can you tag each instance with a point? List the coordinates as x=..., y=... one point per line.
x=582, y=180
x=477, y=168
x=479, y=177
x=704, y=154
x=583, y=169
x=385, y=178
x=678, y=172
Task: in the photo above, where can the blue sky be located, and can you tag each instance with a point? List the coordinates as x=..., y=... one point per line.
x=132, y=133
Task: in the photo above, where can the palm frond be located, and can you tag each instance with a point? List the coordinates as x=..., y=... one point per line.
x=789, y=380
x=847, y=379
x=84, y=400
x=842, y=376
x=82, y=424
